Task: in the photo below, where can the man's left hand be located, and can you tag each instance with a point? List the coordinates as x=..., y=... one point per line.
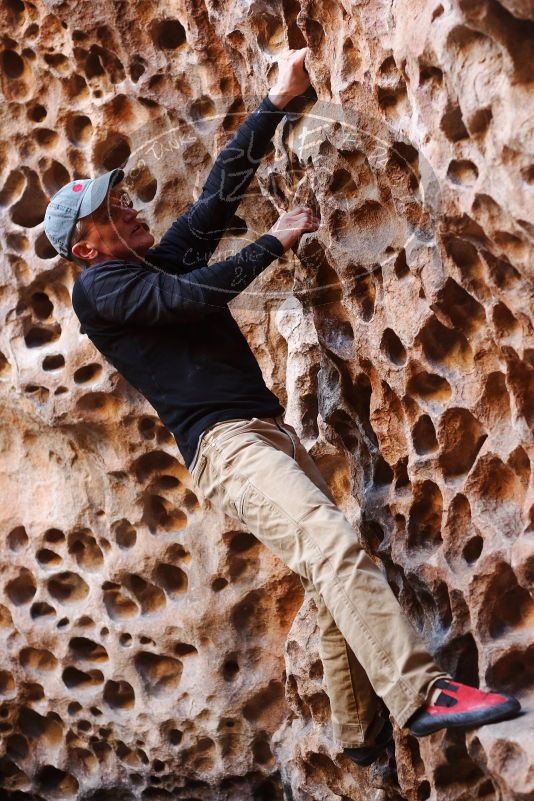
x=292, y=79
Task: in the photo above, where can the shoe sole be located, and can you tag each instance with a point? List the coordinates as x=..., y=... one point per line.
x=375, y=752
x=492, y=714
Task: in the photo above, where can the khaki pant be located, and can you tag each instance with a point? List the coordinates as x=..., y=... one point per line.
x=259, y=472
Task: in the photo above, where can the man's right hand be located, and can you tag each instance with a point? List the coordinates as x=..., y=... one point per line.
x=293, y=224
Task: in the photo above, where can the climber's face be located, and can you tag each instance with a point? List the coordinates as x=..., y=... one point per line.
x=113, y=231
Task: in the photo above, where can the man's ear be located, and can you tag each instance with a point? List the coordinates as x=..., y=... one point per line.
x=84, y=250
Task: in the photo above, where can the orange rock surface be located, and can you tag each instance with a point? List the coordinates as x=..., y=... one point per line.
x=152, y=648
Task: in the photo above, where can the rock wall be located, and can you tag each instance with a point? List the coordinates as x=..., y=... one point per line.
x=151, y=647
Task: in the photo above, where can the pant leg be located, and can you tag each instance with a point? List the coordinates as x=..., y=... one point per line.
x=355, y=707
x=248, y=471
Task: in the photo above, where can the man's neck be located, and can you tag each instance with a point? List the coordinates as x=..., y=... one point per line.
x=106, y=258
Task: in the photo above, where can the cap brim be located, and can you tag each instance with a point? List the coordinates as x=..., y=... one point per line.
x=97, y=192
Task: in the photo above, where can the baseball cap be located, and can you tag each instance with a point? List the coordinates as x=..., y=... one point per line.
x=73, y=201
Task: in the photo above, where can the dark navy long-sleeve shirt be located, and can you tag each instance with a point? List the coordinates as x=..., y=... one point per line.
x=171, y=333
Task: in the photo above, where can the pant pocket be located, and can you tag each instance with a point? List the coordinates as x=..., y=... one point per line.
x=242, y=501
x=199, y=468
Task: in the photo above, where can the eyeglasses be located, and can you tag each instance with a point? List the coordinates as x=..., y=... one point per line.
x=112, y=206
x=124, y=199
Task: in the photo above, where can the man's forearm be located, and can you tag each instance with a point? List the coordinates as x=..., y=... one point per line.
x=237, y=162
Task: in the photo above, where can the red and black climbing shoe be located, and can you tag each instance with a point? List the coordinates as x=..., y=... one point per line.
x=366, y=755
x=459, y=705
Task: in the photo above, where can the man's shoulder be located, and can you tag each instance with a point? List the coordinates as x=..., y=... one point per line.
x=85, y=286
x=111, y=265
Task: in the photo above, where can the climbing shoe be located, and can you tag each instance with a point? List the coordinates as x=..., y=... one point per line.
x=458, y=706
x=366, y=755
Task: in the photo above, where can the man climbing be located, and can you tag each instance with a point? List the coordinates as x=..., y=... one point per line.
x=159, y=314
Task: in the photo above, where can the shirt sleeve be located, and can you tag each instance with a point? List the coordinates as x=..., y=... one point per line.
x=128, y=293
x=193, y=237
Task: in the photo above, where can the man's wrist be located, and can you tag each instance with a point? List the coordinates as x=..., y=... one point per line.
x=279, y=98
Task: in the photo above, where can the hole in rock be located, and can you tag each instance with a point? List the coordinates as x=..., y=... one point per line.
x=239, y=541
x=21, y=589
x=159, y=513
x=342, y=184
x=452, y=125
x=7, y=683
x=119, y=694
x=512, y=671
x=479, y=121
x=393, y=347
x=429, y=73
x=119, y=606
x=259, y=704
x=382, y=472
x=507, y=605
x=171, y=578
x=29, y=211
x=175, y=736
x=184, y=649
x=146, y=191
x=160, y=674
x=424, y=435
x=460, y=658
x=504, y=322
x=88, y=372
x=373, y=534
x=462, y=172
x=424, y=521
x=78, y=679
x=12, y=188
x=37, y=113
x=56, y=782
x=167, y=34
x=429, y=386
x=34, y=726
x=125, y=534
x=461, y=436
x=41, y=609
x=17, y=539
x=84, y=547
x=443, y=345
x=503, y=274
x=137, y=68
x=401, y=265
x=153, y=462
x=47, y=557
x=473, y=549
x=79, y=129
x=87, y=651
x=149, y=597
x=463, y=311
x=495, y=485
x=112, y=152
x=43, y=248
x=12, y=64
x=230, y=668
x=55, y=177
x=36, y=337
x=54, y=535
x=67, y=587
x=465, y=256
x=203, y=112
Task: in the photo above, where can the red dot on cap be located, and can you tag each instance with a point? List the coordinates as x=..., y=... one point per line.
x=77, y=187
